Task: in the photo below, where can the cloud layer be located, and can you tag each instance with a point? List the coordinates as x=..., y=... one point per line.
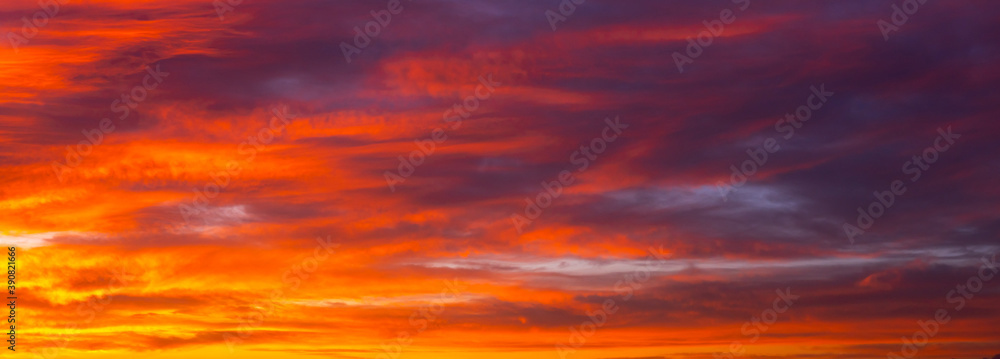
x=195, y=207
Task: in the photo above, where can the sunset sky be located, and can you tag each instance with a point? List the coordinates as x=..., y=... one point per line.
x=501, y=179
